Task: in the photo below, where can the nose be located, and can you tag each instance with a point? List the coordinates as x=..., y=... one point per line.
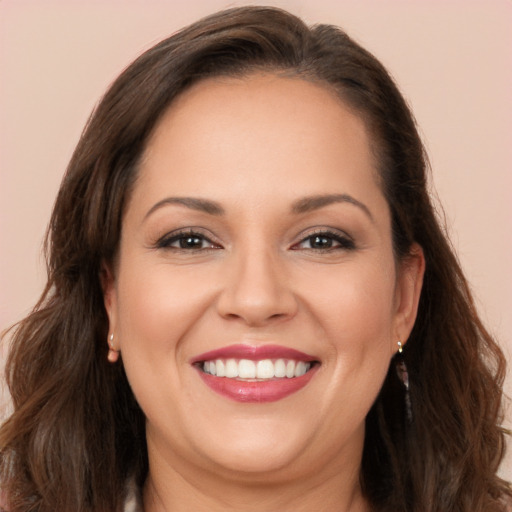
x=256, y=290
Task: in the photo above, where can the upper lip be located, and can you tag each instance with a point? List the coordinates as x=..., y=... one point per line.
x=254, y=353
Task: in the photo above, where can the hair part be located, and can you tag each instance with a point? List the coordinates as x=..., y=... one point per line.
x=77, y=433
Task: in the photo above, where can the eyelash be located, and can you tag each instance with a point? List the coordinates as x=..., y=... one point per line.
x=181, y=236
x=344, y=242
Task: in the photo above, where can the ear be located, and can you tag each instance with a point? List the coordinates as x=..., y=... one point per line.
x=407, y=294
x=108, y=285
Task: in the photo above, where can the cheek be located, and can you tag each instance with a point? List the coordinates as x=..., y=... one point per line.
x=355, y=315
x=354, y=303
x=157, y=305
x=157, y=310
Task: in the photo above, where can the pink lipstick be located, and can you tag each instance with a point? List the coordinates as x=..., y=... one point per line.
x=249, y=374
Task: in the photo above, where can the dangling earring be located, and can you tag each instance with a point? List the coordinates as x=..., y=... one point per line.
x=113, y=354
x=403, y=375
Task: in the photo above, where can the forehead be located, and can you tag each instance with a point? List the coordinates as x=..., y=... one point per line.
x=252, y=131
x=253, y=101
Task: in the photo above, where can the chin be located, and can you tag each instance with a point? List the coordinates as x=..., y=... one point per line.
x=262, y=446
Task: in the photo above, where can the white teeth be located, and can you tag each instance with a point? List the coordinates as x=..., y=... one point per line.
x=300, y=369
x=246, y=369
x=290, y=369
x=280, y=368
x=220, y=367
x=231, y=369
x=264, y=369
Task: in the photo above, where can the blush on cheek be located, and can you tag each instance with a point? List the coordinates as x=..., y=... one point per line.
x=158, y=308
x=362, y=306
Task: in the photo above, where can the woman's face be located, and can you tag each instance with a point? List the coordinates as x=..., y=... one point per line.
x=257, y=246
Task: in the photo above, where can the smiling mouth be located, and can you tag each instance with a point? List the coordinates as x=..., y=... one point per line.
x=256, y=371
x=249, y=374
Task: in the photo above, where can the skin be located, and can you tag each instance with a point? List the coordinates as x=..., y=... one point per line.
x=256, y=147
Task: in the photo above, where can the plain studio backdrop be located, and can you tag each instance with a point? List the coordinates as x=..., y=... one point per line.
x=452, y=59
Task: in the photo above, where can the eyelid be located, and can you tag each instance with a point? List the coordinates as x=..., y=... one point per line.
x=344, y=240
x=165, y=241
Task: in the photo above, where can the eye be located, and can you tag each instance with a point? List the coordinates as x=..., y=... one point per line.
x=325, y=241
x=186, y=241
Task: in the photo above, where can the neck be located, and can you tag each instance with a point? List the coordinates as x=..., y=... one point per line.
x=182, y=487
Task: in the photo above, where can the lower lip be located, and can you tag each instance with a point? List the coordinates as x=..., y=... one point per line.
x=257, y=391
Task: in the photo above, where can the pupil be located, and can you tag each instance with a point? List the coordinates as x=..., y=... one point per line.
x=321, y=242
x=190, y=242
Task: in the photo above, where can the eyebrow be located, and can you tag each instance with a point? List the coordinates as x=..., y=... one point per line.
x=202, y=205
x=311, y=203
x=303, y=205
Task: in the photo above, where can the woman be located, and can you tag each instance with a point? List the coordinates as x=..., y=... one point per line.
x=251, y=304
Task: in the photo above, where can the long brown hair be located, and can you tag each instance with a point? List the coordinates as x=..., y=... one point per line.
x=77, y=434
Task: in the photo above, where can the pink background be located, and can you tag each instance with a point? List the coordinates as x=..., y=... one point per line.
x=451, y=58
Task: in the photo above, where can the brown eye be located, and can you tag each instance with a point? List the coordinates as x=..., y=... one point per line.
x=190, y=242
x=321, y=242
x=325, y=242
x=186, y=241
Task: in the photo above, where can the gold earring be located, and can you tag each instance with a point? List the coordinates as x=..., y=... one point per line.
x=113, y=354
